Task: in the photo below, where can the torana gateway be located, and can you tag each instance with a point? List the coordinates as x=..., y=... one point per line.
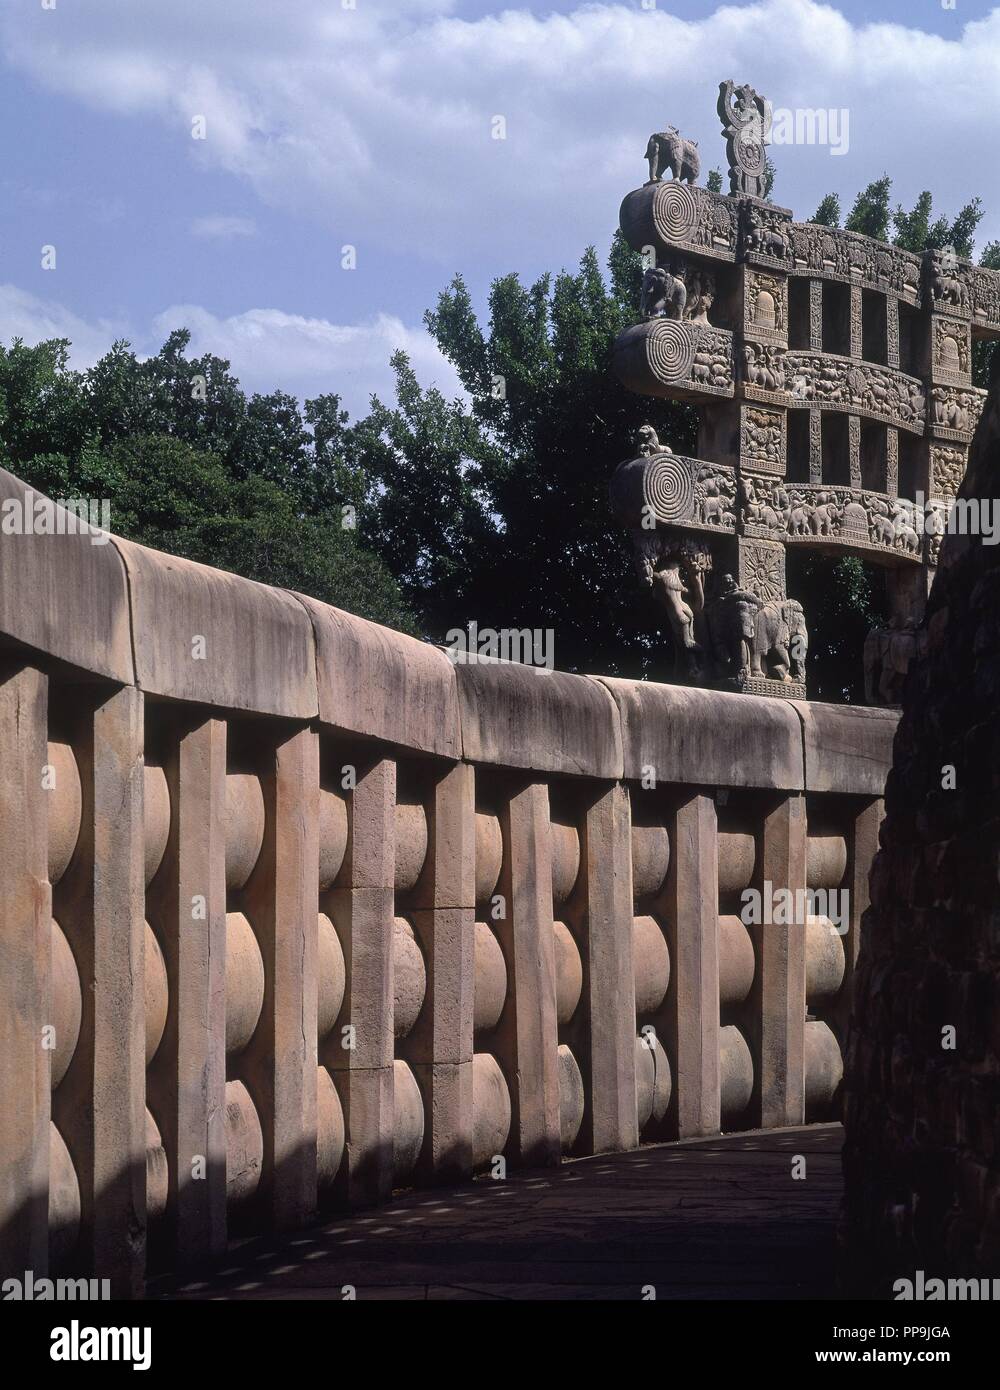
x=833, y=379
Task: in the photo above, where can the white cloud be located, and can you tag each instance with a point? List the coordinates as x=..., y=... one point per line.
x=268, y=349
x=377, y=120
x=222, y=228
x=26, y=316
x=272, y=350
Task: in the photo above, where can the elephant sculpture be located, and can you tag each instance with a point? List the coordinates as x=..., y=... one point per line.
x=780, y=641
x=664, y=296
x=731, y=622
x=668, y=149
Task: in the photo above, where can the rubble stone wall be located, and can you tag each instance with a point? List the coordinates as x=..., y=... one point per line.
x=923, y=1080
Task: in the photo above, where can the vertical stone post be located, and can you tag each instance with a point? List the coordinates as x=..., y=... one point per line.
x=362, y=911
x=854, y=448
x=892, y=331
x=777, y=1005
x=857, y=322
x=99, y=1107
x=892, y=461
x=815, y=446
x=610, y=1123
x=815, y=315
x=282, y=898
x=527, y=1033
x=439, y=1048
x=25, y=971
x=691, y=912
x=186, y=1082
x=862, y=847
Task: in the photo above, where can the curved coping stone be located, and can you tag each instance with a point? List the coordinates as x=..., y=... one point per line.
x=529, y=717
x=708, y=737
x=61, y=593
x=383, y=684
x=848, y=748
x=257, y=651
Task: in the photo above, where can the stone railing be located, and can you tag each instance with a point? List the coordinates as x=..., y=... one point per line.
x=297, y=911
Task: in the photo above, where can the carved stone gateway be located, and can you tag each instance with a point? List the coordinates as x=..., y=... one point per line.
x=832, y=375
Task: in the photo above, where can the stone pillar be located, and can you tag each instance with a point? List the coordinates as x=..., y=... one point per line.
x=608, y=1060
x=99, y=1107
x=862, y=847
x=439, y=1047
x=815, y=315
x=854, y=447
x=891, y=461
x=186, y=904
x=892, y=331
x=362, y=912
x=777, y=1007
x=527, y=1033
x=25, y=969
x=282, y=902
x=815, y=446
x=857, y=322
x=692, y=921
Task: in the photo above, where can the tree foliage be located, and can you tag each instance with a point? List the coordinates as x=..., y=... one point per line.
x=192, y=465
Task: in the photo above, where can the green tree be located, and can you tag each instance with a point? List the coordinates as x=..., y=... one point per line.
x=870, y=213
x=828, y=213
x=191, y=465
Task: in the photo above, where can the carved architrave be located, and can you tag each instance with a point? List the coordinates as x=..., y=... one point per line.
x=676, y=217
x=948, y=465
x=840, y=383
x=673, y=490
x=952, y=351
x=836, y=254
x=768, y=373
x=820, y=513
x=765, y=306
x=675, y=358
x=984, y=286
x=763, y=439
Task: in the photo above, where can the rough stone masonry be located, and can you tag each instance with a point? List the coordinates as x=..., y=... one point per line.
x=922, y=1159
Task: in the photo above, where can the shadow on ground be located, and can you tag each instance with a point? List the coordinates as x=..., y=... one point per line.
x=716, y=1218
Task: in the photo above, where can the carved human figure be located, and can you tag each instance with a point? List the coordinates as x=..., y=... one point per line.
x=701, y=296
x=668, y=587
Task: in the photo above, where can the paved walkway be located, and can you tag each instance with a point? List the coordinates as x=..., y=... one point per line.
x=717, y=1218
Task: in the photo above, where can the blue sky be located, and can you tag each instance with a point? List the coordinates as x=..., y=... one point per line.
x=371, y=127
